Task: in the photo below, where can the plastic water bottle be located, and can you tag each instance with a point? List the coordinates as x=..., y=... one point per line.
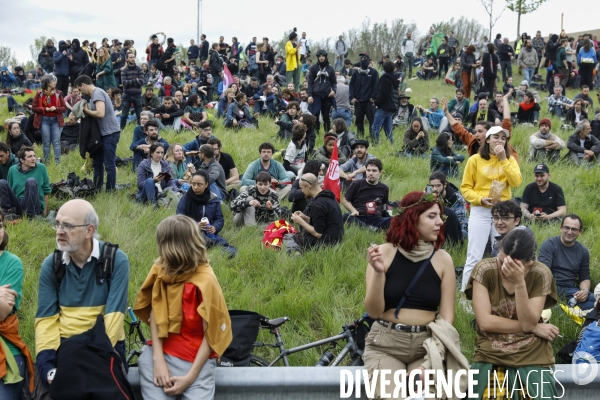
x=325, y=359
x=209, y=235
x=185, y=186
x=572, y=302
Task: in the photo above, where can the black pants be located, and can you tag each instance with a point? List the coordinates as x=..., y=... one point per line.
x=324, y=110
x=586, y=72
x=539, y=64
x=72, y=77
x=62, y=84
x=444, y=62
x=489, y=82
x=362, y=109
x=137, y=104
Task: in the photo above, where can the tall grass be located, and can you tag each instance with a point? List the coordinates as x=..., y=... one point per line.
x=321, y=290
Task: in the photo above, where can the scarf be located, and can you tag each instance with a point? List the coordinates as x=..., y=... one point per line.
x=168, y=90
x=419, y=253
x=527, y=107
x=363, y=71
x=546, y=136
x=481, y=115
x=193, y=203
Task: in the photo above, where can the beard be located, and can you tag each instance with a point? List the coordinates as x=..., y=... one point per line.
x=68, y=248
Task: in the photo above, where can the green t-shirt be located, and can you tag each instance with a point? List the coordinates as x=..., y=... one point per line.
x=11, y=272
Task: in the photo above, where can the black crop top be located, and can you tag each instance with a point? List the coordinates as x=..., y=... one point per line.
x=426, y=294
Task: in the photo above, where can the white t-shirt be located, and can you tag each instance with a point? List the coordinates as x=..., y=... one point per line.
x=295, y=155
x=303, y=43
x=581, y=143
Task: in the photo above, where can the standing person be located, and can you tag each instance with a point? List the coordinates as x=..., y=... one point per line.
x=363, y=89
x=132, y=78
x=303, y=43
x=118, y=61
x=78, y=59
x=154, y=49
x=340, y=52
x=49, y=106
x=216, y=67
x=586, y=61
x=292, y=61
x=561, y=62
x=70, y=306
x=468, y=61
x=478, y=46
x=519, y=43
x=100, y=107
x=506, y=54
x=45, y=58
x=322, y=85
x=509, y=294
x=487, y=179
x=414, y=242
x=539, y=45
x=443, y=53
x=551, y=49
x=490, y=63
x=105, y=76
x=528, y=60
x=192, y=51
x=408, y=51
x=386, y=102
x=61, y=67
x=11, y=293
x=203, y=48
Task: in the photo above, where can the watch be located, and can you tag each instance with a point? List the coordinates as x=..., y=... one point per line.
x=51, y=374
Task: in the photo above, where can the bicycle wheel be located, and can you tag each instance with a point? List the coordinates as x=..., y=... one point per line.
x=256, y=361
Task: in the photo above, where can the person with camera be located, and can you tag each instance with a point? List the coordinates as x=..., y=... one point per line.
x=543, y=200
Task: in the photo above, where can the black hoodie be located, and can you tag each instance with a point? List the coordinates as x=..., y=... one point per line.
x=551, y=48
x=326, y=218
x=80, y=58
x=387, y=98
x=321, y=78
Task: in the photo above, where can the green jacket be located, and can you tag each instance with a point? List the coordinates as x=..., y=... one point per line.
x=275, y=169
x=17, y=179
x=12, y=160
x=561, y=57
x=108, y=79
x=465, y=107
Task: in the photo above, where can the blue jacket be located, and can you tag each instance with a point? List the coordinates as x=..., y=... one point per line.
x=222, y=111
x=194, y=145
x=270, y=98
x=143, y=141
x=212, y=211
x=7, y=79
x=233, y=113
x=145, y=171
x=591, y=54
x=61, y=62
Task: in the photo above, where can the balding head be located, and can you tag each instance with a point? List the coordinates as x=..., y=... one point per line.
x=78, y=212
x=76, y=226
x=309, y=184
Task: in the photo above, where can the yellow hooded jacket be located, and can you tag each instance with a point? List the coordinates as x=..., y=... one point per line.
x=479, y=174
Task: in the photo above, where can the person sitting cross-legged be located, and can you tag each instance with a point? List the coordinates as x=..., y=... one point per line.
x=543, y=145
x=416, y=139
x=367, y=199
x=296, y=196
x=258, y=203
x=443, y=157
x=559, y=103
x=238, y=114
x=583, y=146
x=154, y=175
x=279, y=176
x=168, y=114
x=576, y=114
x=433, y=117
x=529, y=109
x=569, y=262
x=199, y=203
x=141, y=148
x=543, y=200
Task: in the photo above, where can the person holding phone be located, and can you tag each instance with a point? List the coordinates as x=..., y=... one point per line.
x=154, y=176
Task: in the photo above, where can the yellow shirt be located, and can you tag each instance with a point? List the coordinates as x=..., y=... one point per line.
x=292, y=57
x=479, y=174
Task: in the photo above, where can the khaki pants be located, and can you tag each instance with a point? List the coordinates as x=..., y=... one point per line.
x=388, y=349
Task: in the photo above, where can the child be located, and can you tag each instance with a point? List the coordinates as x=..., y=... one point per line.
x=295, y=154
x=258, y=203
x=182, y=301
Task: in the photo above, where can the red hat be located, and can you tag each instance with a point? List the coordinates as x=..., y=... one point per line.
x=545, y=121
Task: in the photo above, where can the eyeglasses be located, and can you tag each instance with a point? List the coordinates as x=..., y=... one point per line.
x=570, y=229
x=65, y=227
x=503, y=219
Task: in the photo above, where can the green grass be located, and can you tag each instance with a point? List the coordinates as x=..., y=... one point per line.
x=321, y=290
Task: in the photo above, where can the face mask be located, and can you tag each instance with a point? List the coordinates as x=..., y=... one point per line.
x=364, y=64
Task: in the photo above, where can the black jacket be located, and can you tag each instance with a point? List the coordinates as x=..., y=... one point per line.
x=18, y=142
x=173, y=112
x=80, y=58
x=590, y=143
x=345, y=145
x=363, y=86
x=551, y=48
x=491, y=117
x=387, y=98
x=490, y=69
x=324, y=213
x=215, y=63
x=503, y=51
x=90, y=138
x=70, y=133
x=321, y=80
x=45, y=56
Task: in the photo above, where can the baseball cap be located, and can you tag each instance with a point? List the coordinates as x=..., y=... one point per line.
x=495, y=130
x=541, y=168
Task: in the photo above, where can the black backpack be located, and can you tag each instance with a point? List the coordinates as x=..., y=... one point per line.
x=104, y=266
x=160, y=64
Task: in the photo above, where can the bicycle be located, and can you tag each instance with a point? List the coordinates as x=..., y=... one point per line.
x=136, y=344
x=350, y=334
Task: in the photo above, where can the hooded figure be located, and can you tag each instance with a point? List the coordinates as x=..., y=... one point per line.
x=61, y=61
x=7, y=79
x=45, y=56
x=322, y=85
x=78, y=58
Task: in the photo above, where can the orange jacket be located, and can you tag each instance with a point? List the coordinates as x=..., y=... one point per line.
x=469, y=140
x=9, y=329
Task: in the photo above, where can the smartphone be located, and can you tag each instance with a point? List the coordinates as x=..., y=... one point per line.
x=428, y=189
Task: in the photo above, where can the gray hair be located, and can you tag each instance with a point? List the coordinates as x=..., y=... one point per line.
x=341, y=79
x=581, y=125
x=91, y=218
x=167, y=78
x=46, y=79
x=148, y=113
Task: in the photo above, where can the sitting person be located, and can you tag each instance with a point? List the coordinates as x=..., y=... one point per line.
x=345, y=138
x=434, y=116
x=232, y=176
x=141, y=148
x=264, y=100
x=257, y=203
x=323, y=225
x=569, y=261
x=295, y=153
x=443, y=157
x=460, y=104
x=192, y=148
x=27, y=186
x=529, y=110
x=427, y=71
x=139, y=131
x=69, y=137
x=556, y=83
x=576, y=113
x=193, y=112
x=543, y=200
x=497, y=104
x=452, y=199
x=543, y=145
x=323, y=153
x=238, y=114
x=15, y=139
x=154, y=176
x=225, y=102
x=176, y=158
x=150, y=100
x=216, y=173
x=523, y=89
x=288, y=120
x=355, y=167
x=583, y=147
x=416, y=139
x=167, y=89
x=406, y=112
x=483, y=113
x=279, y=176
x=509, y=294
x=558, y=103
x=507, y=215
x=7, y=160
x=367, y=199
x=200, y=203
x=73, y=98
x=168, y=114
x=296, y=196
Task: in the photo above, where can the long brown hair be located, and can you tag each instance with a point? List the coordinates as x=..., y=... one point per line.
x=181, y=246
x=485, y=152
x=102, y=59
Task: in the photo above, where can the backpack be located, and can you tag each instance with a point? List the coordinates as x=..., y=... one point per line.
x=104, y=266
x=588, y=349
x=252, y=65
x=160, y=64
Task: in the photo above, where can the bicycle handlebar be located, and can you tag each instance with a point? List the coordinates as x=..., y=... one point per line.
x=131, y=315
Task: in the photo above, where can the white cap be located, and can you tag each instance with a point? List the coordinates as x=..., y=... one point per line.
x=495, y=130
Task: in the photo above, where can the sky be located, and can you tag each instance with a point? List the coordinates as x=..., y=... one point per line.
x=135, y=20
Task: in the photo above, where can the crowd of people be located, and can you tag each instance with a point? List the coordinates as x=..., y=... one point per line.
x=410, y=280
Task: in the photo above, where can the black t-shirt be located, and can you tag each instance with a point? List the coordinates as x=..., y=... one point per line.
x=227, y=163
x=223, y=48
x=326, y=218
x=366, y=198
x=547, y=202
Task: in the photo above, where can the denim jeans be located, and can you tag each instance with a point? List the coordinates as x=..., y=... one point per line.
x=148, y=192
x=568, y=292
x=12, y=104
x=51, y=135
x=528, y=74
x=382, y=223
x=137, y=104
x=506, y=67
x=13, y=391
x=105, y=159
x=30, y=203
x=343, y=113
x=382, y=118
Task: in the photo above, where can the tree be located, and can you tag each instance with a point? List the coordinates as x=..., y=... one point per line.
x=36, y=47
x=463, y=28
x=489, y=9
x=523, y=7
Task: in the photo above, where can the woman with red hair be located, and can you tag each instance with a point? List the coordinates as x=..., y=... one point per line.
x=395, y=341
